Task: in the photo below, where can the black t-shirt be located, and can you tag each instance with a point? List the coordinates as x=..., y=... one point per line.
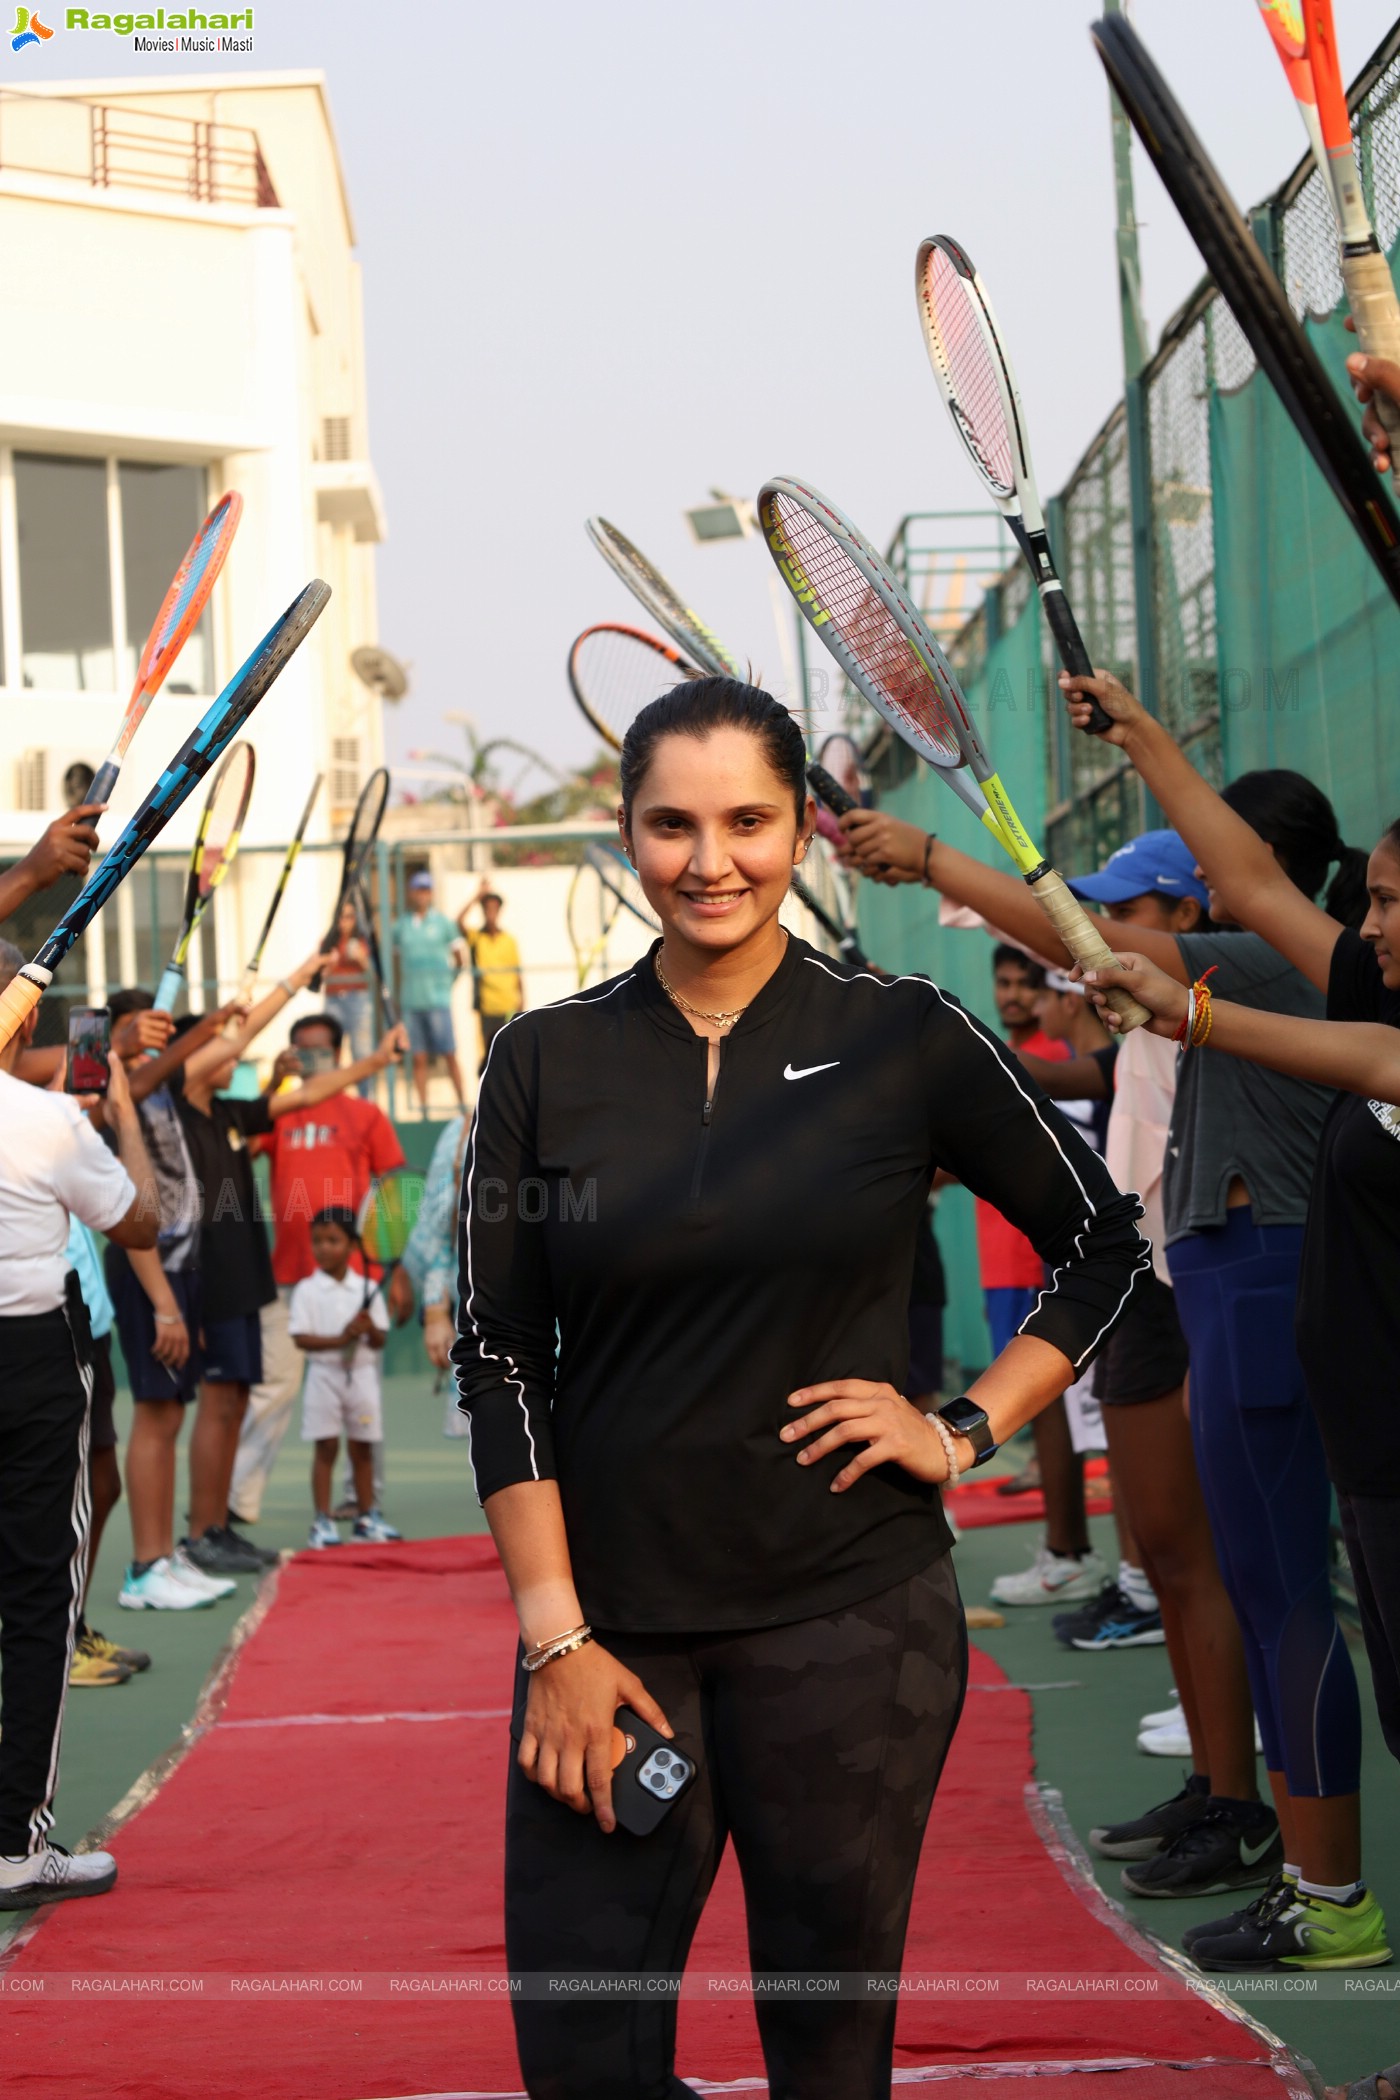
x=234, y=1257
x=1348, y=1318
x=645, y=1279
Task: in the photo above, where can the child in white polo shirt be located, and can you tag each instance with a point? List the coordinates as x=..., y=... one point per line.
x=342, y=1336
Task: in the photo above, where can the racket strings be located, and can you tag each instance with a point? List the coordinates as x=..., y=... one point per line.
x=868, y=630
x=208, y=549
x=616, y=673
x=969, y=370
x=228, y=805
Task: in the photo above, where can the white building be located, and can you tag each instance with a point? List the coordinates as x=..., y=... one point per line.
x=180, y=314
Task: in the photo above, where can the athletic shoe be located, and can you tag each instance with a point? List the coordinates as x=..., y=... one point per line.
x=1301, y=1932
x=1067, y=1624
x=194, y=1578
x=1277, y=1896
x=268, y=1555
x=218, y=1552
x=160, y=1589
x=1052, y=1578
x=87, y=1667
x=1123, y=1627
x=1145, y=1836
x=1173, y=1740
x=136, y=1659
x=1227, y=1848
x=1166, y=1717
x=323, y=1532
x=51, y=1875
x=376, y=1528
x=1023, y=1483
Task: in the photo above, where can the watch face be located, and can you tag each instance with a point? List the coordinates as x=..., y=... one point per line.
x=963, y=1415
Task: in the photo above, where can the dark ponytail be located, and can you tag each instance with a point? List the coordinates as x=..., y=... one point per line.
x=1291, y=814
x=705, y=704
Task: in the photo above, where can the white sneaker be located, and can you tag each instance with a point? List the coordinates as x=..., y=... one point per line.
x=195, y=1578
x=50, y=1875
x=373, y=1525
x=1172, y=1740
x=1166, y=1718
x=323, y=1532
x=1052, y=1578
x=159, y=1589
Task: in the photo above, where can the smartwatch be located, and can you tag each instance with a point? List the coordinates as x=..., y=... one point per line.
x=966, y=1419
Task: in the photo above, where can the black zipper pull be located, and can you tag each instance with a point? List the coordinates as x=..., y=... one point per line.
x=705, y=1111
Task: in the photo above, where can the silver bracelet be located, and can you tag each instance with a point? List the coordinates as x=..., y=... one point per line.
x=284, y=986
x=552, y=1651
x=945, y=1436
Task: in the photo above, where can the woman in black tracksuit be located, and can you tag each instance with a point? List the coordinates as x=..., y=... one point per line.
x=689, y=1207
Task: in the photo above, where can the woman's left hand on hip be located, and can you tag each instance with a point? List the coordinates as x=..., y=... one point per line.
x=857, y=1411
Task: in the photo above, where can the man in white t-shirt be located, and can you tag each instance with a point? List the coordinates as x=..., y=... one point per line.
x=53, y=1166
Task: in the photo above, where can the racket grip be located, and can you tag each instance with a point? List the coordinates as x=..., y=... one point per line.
x=18, y=1000
x=1375, y=309
x=1070, y=644
x=104, y=780
x=1084, y=942
x=830, y=791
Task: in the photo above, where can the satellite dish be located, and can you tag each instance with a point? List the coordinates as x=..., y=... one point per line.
x=382, y=673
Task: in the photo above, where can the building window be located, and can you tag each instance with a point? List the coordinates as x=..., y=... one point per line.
x=65, y=574
x=97, y=542
x=162, y=508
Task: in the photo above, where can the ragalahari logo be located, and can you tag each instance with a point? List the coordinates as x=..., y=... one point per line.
x=28, y=29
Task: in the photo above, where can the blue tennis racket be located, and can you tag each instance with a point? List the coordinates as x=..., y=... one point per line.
x=204, y=746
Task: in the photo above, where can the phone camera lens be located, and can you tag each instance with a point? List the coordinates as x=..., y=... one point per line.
x=663, y=1757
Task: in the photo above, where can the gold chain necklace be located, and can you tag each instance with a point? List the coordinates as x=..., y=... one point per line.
x=720, y=1020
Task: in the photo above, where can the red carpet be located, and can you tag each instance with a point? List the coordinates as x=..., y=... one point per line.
x=976, y=1503
x=306, y=1888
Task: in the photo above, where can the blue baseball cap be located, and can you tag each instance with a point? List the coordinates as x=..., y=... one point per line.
x=1154, y=863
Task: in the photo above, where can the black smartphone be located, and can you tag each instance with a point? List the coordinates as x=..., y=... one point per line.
x=649, y=1774
x=89, y=1050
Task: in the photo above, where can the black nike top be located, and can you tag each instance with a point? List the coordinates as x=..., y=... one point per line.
x=646, y=1275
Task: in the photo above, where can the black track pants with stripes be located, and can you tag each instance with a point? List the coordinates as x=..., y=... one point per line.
x=820, y=1745
x=44, y=1513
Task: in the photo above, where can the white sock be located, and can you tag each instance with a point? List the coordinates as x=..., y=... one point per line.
x=1136, y=1587
x=1343, y=1893
x=1293, y=1873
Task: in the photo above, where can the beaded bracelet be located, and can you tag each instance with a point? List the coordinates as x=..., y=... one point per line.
x=945, y=1436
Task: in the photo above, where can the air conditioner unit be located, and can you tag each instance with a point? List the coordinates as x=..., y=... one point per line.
x=336, y=440
x=51, y=777
x=345, y=772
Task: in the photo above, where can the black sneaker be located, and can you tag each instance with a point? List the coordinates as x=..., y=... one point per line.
x=217, y=1552
x=1087, y=1617
x=1228, y=1847
x=1147, y=1835
x=1123, y=1626
x=266, y=1556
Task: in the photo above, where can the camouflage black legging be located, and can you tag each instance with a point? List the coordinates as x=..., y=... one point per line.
x=821, y=1744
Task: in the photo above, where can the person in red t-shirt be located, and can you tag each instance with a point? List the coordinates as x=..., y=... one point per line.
x=325, y=1156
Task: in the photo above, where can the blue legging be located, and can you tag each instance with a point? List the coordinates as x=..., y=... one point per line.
x=1265, y=1483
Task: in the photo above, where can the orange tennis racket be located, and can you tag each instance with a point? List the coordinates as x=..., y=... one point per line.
x=174, y=624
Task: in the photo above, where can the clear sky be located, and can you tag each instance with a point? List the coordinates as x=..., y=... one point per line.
x=617, y=252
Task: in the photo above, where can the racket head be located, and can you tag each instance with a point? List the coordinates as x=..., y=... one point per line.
x=222, y=822
x=973, y=370
x=620, y=880
x=364, y=830
x=180, y=612
x=387, y=1215
x=650, y=588
x=846, y=592
x=1251, y=291
x=614, y=670
x=590, y=913
x=1284, y=21
x=200, y=752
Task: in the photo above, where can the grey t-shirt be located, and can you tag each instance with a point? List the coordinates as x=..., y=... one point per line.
x=1232, y=1117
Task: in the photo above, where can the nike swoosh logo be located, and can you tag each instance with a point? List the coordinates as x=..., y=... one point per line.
x=1251, y=1853
x=807, y=1070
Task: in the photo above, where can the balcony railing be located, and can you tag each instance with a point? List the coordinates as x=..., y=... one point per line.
x=108, y=146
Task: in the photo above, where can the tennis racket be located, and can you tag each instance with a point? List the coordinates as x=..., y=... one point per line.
x=974, y=373
x=620, y=880
x=614, y=671
x=686, y=629
x=174, y=624
x=354, y=864
x=848, y=595
x=1306, y=41
x=251, y=972
x=384, y=1226
x=215, y=846
x=847, y=944
x=590, y=913
x=202, y=748
x=832, y=797
x=1253, y=293
x=387, y=1006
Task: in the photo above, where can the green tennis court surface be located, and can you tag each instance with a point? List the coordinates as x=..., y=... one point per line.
x=1085, y=1727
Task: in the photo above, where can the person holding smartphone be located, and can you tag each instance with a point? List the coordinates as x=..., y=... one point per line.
x=688, y=1220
